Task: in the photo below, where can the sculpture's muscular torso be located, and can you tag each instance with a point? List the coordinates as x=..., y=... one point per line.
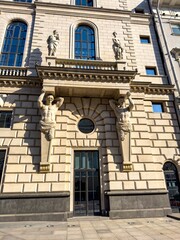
x=48, y=114
x=122, y=114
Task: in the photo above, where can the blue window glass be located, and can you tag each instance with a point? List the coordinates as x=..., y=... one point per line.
x=29, y=1
x=151, y=71
x=13, y=46
x=176, y=29
x=157, y=107
x=144, y=39
x=84, y=43
x=84, y=3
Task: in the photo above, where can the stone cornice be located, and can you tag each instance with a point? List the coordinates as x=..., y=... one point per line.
x=93, y=12
x=150, y=88
x=16, y=3
x=136, y=192
x=67, y=7
x=103, y=76
x=7, y=81
x=34, y=195
x=16, y=6
x=166, y=3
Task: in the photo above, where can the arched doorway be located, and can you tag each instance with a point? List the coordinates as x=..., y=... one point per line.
x=173, y=185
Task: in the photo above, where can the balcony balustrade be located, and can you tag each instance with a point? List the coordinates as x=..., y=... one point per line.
x=85, y=64
x=13, y=71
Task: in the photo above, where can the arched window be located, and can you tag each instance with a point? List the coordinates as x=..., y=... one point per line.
x=84, y=3
x=172, y=182
x=13, y=46
x=84, y=43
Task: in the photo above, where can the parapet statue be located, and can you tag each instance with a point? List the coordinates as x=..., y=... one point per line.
x=53, y=42
x=118, y=50
x=123, y=127
x=48, y=113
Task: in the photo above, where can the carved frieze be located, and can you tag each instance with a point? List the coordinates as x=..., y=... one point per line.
x=150, y=88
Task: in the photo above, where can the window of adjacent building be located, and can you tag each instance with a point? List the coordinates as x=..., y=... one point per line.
x=29, y=1
x=84, y=43
x=2, y=159
x=157, y=107
x=145, y=39
x=176, y=29
x=13, y=45
x=84, y=3
x=86, y=125
x=139, y=10
x=5, y=119
x=151, y=71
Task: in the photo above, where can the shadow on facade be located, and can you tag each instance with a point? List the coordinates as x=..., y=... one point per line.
x=35, y=59
x=25, y=120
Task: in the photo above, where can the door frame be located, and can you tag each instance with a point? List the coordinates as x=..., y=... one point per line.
x=176, y=172
x=73, y=177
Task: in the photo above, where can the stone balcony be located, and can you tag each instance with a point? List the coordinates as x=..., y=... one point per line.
x=166, y=3
x=13, y=71
x=17, y=77
x=72, y=77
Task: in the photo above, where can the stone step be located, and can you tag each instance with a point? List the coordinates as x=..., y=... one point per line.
x=174, y=216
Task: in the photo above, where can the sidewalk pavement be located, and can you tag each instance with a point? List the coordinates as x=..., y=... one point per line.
x=93, y=228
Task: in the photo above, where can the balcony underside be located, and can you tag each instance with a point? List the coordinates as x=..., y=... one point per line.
x=85, y=82
x=91, y=81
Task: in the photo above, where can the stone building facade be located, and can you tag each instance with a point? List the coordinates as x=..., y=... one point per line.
x=167, y=23
x=105, y=63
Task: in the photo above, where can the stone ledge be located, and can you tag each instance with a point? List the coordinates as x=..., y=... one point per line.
x=174, y=216
x=34, y=195
x=34, y=217
x=139, y=213
x=120, y=193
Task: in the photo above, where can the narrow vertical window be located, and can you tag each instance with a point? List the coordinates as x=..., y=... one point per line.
x=2, y=159
x=13, y=46
x=84, y=43
x=84, y=3
x=5, y=119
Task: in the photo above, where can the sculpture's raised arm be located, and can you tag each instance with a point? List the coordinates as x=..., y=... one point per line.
x=59, y=101
x=40, y=100
x=113, y=103
x=131, y=103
